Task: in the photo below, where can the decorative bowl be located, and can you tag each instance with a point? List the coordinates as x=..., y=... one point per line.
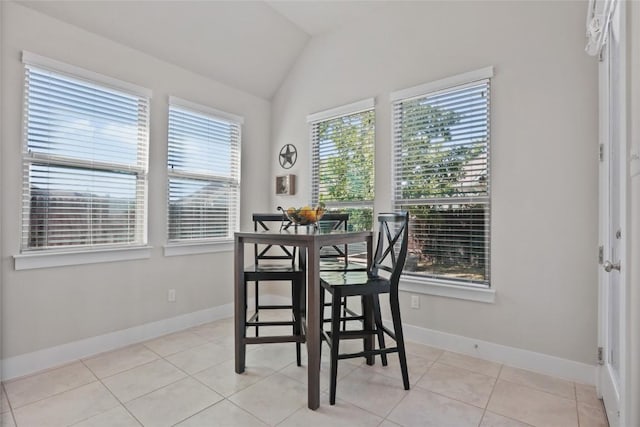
x=305, y=215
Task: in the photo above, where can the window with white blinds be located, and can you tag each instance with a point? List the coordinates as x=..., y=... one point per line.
x=343, y=161
x=441, y=176
x=204, y=173
x=84, y=159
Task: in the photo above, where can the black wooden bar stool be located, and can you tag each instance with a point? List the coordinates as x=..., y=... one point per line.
x=382, y=278
x=275, y=263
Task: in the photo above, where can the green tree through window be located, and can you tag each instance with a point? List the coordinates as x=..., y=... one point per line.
x=343, y=171
x=441, y=177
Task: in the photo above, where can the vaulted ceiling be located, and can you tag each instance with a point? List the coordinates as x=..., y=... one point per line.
x=249, y=45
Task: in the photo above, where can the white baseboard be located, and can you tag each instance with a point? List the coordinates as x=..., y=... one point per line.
x=511, y=356
x=25, y=364
x=28, y=363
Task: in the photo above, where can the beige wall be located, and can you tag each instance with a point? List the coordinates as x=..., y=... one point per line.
x=544, y=176
x=544, y=152
x=47, y=307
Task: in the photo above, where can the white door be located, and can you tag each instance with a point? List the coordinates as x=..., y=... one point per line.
x=613, y=273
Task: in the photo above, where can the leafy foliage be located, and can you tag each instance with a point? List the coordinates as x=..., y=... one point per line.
x=435, y=169
x=432, y=165
x=347, y=166
x=346, y=162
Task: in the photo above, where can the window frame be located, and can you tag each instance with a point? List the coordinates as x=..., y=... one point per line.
x=415, y=282
x=177, y=247
x=362, y=106
x=34, y=257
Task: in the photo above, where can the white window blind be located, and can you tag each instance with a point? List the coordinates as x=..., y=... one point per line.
x=343, y=163
x=84, y=161
x=442, y=177
x=204, y=174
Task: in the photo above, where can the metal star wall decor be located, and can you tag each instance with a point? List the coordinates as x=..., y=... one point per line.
x=288, y=156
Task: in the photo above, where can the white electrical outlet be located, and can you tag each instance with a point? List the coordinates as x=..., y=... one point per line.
x=171, y=295
x=415, y=301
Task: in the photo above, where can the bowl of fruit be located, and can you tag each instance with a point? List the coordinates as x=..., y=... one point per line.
x=306, y=215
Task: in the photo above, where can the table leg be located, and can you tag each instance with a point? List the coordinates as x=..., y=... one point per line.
x=240, y=317
x=367, y=308
x=313, y=326
x=368, y=343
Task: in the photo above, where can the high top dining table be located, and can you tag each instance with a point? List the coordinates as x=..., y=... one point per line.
x=309, y=240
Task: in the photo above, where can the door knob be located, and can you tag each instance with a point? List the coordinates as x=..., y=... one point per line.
x=608, y=266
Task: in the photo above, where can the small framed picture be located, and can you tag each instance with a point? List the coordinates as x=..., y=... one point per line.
x=286, y=185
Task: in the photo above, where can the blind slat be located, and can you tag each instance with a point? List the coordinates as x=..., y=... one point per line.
x=85, y=163
x=342, y=149
x=204, y=175
x=343, y=156
x=441, y=176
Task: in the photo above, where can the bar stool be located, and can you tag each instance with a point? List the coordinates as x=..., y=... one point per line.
x=275, y=263
x=383, y=277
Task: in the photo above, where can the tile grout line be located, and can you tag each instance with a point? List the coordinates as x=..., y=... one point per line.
x=271, y=374
x=244, y=410
x=538, y=390
x=226, y=398
x=196, y=413
x=262, y=380
x=458, y=400
x=114, y=396
x=386, y=417
x=575, y=395
x=201, y=370
x=13, y=416
x=302, y=408
x=192, y=376
x=149, y=392
x=51, y=395
x=453, y=398
x=490, y=395
x=187, y=375
x=175, y=352
x=161, y=387
x=124, y=370
x=522, y=385
x=599, y=405
x=471, y=370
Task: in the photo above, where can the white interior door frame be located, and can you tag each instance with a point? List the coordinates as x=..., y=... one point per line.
x=633, y=374
x=612, y=381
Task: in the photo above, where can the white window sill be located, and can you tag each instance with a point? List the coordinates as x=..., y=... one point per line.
x=47, y=259
x=178, y=249
x=446, y=289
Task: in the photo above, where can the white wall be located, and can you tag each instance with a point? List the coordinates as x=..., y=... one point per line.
x=544, y=152
x=47, y=307
x=632, y=393
x=2, y=37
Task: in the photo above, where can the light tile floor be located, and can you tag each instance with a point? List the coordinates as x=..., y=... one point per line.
x=188, y=379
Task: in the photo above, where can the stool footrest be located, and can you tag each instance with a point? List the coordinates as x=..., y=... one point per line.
x=376, y=352
x=273, y=323
x=275, y=339
x=342, y=319
x=274, y=307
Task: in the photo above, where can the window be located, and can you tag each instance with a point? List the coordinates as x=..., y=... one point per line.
x=204, y=173
x=84, y=159
x=343, y=161
x=441, y=176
